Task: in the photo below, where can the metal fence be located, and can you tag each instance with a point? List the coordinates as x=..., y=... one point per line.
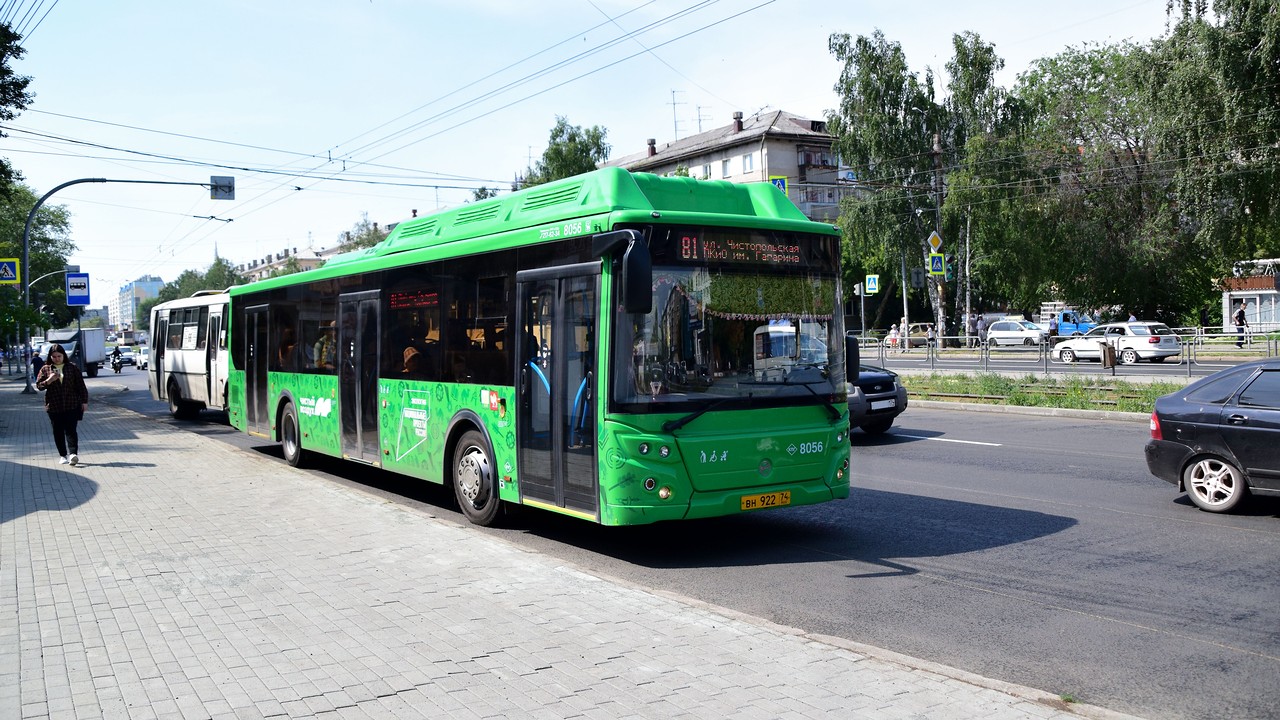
x=1198, y=348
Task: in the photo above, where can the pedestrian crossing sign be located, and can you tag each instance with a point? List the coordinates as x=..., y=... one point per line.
x=9, y=274
x=872, y=284
x=937, y=264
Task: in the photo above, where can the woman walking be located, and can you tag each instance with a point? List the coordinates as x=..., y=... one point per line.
x=65, y=399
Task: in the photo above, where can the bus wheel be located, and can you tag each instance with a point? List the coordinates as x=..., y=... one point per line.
x=290, y=438
x=473, y=483
x=178, y=407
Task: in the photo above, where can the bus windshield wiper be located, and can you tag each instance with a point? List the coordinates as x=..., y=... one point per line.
x=832, y=409
x=678, y=423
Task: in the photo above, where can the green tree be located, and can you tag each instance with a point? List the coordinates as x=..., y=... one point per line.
x=884, y=125
x=1214, y=86
x=483, y=193
x=220, y=275
x=144, y=313
x=50, y=245
x=364, y=234
x=570, y=151
x=13, y=94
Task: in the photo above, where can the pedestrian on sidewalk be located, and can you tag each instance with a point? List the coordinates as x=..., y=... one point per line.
x=1241, y=324
x=65, y=400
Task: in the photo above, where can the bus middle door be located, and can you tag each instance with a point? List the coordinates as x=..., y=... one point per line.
x=556, y=431
x=358, y=363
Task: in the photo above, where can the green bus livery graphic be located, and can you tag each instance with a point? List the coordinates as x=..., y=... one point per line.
x=619, y=347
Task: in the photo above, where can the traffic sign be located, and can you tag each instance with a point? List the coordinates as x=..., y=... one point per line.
x=77, y=289
x=780, y=181
x=917, y=278
x=9, y=274
x=222, y=187
x=935, y=240
x=872, y=284
x=937, y=264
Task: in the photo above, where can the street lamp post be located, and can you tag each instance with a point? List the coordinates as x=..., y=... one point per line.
x=220, y=188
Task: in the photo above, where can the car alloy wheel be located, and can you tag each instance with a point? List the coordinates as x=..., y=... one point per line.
x=1214, y=484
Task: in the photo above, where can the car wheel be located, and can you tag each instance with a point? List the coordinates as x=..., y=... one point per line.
x=1067, y=355
x=290, y=437
x=1214, y=484
x=878, y=427
x=473, y=481
x=1128, y=356
x=1028, y=341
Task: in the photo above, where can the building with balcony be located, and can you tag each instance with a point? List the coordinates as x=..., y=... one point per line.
x=792, y=151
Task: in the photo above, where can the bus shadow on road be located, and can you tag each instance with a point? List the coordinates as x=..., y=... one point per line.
x=884, y=530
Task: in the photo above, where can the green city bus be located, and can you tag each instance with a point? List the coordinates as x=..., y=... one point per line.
x=588, y=346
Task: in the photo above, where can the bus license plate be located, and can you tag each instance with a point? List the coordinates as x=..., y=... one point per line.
x=767, y=500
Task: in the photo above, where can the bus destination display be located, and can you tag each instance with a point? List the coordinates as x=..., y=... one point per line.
x=695, y=247
x=407, y=299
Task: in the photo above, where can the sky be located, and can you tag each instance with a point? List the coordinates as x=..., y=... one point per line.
x=330, y=111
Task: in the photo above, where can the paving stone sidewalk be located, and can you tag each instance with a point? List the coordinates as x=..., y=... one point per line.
x=173, y=576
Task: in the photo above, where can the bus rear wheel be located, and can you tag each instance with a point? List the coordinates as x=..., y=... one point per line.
x=179, y=408
x=290, y=437
x=473, y=481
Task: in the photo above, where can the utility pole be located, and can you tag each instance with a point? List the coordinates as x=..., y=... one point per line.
x=937, y=184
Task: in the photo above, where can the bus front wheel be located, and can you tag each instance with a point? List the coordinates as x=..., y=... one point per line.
x=290, y=438
x=473, y=482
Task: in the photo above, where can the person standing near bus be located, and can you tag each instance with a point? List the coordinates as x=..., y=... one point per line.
x=65, y=400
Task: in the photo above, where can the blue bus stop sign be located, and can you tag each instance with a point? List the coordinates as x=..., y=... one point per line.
x=78, y=289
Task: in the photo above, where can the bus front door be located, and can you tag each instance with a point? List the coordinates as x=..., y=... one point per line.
x=556, y=430
x=256, y=415
x=358, y=363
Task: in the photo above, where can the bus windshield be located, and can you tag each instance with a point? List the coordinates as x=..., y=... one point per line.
x=738, y=315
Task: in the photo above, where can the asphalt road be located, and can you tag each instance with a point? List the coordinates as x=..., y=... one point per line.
x=1029, y=549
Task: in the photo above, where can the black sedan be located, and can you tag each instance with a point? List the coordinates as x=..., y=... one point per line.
x=875, y=399
x=1219, y=438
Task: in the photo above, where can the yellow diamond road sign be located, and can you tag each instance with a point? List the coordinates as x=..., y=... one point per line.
x=935, y=240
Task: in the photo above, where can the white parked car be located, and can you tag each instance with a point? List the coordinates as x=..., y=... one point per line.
x=1133, y=341
x=1015, y=332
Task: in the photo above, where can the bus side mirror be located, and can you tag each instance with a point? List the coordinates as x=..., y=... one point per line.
x=636, y=277
x=852, y=360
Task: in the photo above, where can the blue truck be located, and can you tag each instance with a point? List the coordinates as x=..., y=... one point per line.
x=1072, y=322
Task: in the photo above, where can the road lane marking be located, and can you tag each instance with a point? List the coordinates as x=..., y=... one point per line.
x=940, y=439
